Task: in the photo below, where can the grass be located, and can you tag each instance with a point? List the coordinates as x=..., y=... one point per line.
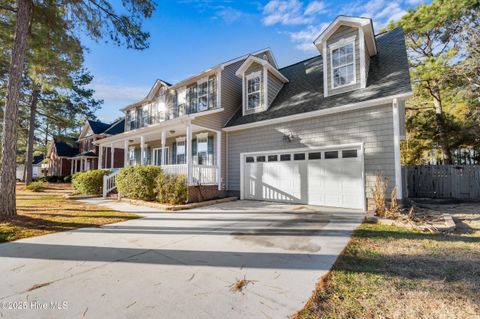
x=49, y=212
x=392, y=272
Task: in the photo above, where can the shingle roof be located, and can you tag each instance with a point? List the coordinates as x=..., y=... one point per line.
x=38, y=159
x=116, y=127
x=388, y=75
x=65, y=148
x=98, y=127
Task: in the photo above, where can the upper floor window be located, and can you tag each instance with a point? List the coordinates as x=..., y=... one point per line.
x=343, y=65
x=145, y=114
x=254, y=81
x=132, y=119
x=203, y=95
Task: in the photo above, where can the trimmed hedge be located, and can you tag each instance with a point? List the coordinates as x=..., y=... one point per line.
x=171, y=189
x=89, y=182
x=138, y=182
x=36, y=186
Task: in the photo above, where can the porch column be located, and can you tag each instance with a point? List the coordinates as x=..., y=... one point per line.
x=82, y=165
x=71, y=166
x=142, y=150
x=396, y=148
x=218, y=152
x=112, y=152
x=164, y=138
x=125, y=153
x=189, y=154
x=100, y=157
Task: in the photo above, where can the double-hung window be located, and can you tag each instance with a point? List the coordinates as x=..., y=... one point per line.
x=181, y=151
x=132, y=116
x=146, y=115
x=343, y=64
x=202, y=149
x=202, y=95
x=254, y=86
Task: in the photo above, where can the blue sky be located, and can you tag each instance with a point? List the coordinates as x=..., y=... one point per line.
x=189, y=36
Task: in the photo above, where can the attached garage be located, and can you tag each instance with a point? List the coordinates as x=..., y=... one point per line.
x=329, y=176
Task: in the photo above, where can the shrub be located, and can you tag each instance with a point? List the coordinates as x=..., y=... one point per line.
x=89, y=182
x=67, y=179
x=378, y=194
x=40, y=179
x=138, y=182
x=171, y=189
x=36, y=186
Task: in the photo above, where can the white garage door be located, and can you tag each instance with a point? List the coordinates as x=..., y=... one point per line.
x=327, y=177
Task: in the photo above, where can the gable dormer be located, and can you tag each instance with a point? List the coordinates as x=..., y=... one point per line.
x=346, y=46
x=261, y=82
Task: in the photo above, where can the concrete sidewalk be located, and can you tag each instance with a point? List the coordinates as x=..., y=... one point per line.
x=177, y=265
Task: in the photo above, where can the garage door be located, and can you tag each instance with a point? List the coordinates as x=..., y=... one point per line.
x=326, y=177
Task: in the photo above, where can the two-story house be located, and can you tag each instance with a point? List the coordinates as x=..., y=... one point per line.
x=67, y=156
x=315, y=132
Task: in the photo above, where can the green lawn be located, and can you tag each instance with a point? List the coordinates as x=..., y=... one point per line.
x=49, y=212
x=392, y=272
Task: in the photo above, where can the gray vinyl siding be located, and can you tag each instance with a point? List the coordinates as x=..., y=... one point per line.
x=343, y=32
x=372, y=126
x=274, y=86
x=231, y=101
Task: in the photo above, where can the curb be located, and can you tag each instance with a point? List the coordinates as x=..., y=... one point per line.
x=138, y=202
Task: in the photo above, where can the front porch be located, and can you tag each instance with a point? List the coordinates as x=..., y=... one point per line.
x=179, y=149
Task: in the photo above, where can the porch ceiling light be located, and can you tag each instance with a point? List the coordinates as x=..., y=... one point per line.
x=172, y=132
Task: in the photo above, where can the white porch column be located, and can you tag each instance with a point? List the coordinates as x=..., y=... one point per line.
x=189, y=154
x=218, y=152
x=112, y=152
x=71, y=166
x=100, y=157
x=82, y=164
x=142, y=150
x=164, y=140
x=396, y=149
x=125, y=153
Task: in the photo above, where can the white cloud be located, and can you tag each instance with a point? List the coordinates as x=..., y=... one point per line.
x=285, y=12
x=381, y=11
x=304, y=38
x=315, y=7
x=229, y=15
x=109, y=91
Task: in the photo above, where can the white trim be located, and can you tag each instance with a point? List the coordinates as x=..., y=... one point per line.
x=265, y=88
x=323, y=112
x=396, y=148
x=337, y=45
x=246, y=94
x=253, y=75
x=361, y=49
x=251, y=59
x=180, y=139
x=218, y=153
x=223, y=65
x=325, y=72
x=359, y=146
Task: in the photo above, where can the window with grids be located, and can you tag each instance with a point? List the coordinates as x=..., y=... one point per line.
x=343, y=65
x=254, y=91
x=202, y=149
x=181, y=152
x=202, y=96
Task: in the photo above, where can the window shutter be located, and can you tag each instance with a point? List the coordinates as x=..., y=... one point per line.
x=194, y=151
x=174, y=153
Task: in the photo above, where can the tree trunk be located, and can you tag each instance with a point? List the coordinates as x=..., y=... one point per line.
x=9, y=137
x=440, y=119
x=31, y=135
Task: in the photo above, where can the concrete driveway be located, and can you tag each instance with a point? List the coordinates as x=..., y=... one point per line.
x=177, y=265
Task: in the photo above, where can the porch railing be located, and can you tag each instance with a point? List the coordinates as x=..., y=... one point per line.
x=109, y=183
x=201, y=174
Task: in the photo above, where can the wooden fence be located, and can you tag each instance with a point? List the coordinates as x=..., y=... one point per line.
x=443, y=181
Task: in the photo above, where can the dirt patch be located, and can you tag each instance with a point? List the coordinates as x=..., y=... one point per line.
x=240, y=284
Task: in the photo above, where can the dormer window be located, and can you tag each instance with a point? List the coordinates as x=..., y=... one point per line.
x=343, y=64
x=254, y=82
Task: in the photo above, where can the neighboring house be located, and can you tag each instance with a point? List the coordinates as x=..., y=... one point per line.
x=315, y=132
x=60, y=154
x=88, y=156
x=36, y=168
x=68, y=156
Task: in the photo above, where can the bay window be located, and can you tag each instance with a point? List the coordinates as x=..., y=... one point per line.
x=343, y=64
